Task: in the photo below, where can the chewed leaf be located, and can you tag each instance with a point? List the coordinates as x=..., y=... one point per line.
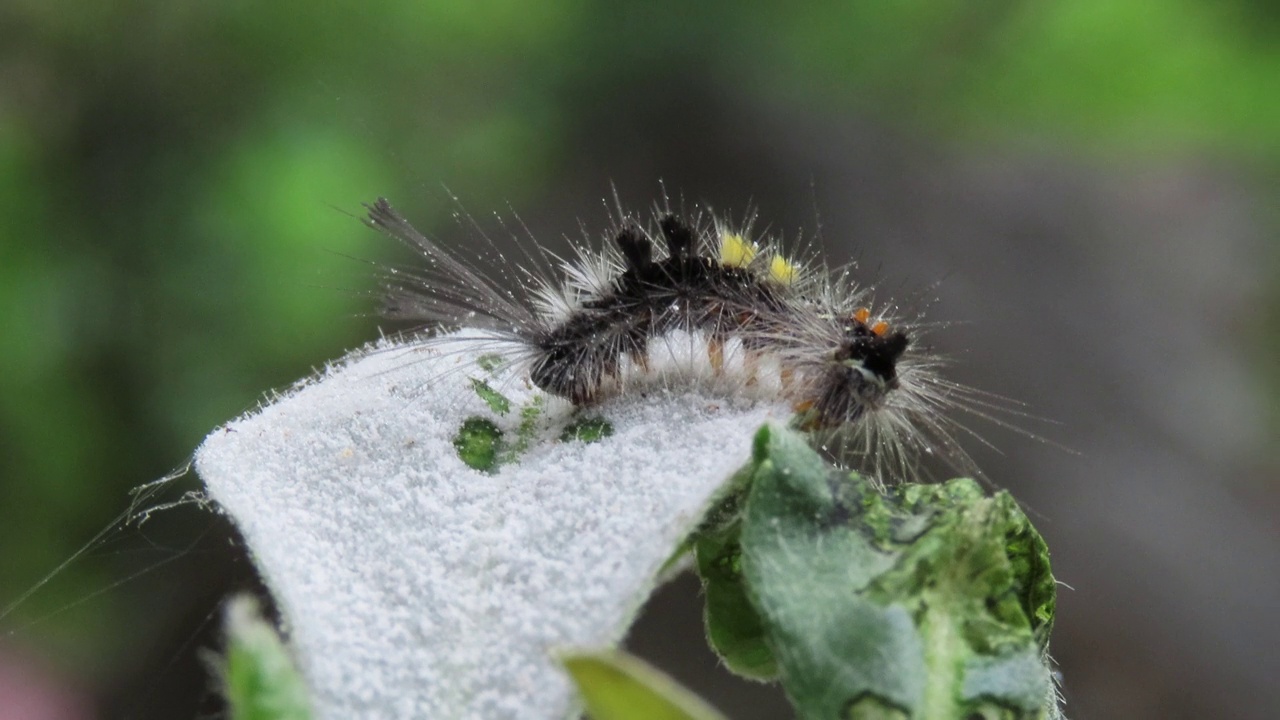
x=414, y=586
x=617, y=686
x=931, y=602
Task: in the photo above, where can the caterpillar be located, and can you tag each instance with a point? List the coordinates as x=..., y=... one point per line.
x=860, y=381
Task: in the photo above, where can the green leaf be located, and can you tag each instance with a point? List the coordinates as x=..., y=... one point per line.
x=734, y=628
x=260, y=680
x=618, y=686
x=933, y=601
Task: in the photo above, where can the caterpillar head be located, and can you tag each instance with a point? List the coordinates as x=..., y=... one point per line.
x=862, y=371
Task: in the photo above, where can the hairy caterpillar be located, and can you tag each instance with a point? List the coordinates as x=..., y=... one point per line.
x=860, y=381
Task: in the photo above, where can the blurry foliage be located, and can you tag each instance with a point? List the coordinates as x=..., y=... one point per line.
x=1127, y=74
x=169, y=173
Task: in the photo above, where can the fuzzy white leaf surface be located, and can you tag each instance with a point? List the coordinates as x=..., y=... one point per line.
x=413, y=586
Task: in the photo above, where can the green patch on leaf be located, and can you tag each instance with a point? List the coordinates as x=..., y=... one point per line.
x=478, y=443
x=526, y=431
x=617, y=686
x=489, y=362
x=259, y=678
x=929, y=601
x=482, y=444
x=496, y=401
x=528, y=428
x=587, y=429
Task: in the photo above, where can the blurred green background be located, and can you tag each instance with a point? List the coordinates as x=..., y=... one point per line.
x=177, y=186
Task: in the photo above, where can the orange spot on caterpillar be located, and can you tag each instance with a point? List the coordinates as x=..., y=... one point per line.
x=862, y=315
x=880, y=328
x=806, y=420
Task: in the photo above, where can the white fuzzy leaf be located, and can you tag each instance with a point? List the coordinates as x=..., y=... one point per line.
x=414, y=586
